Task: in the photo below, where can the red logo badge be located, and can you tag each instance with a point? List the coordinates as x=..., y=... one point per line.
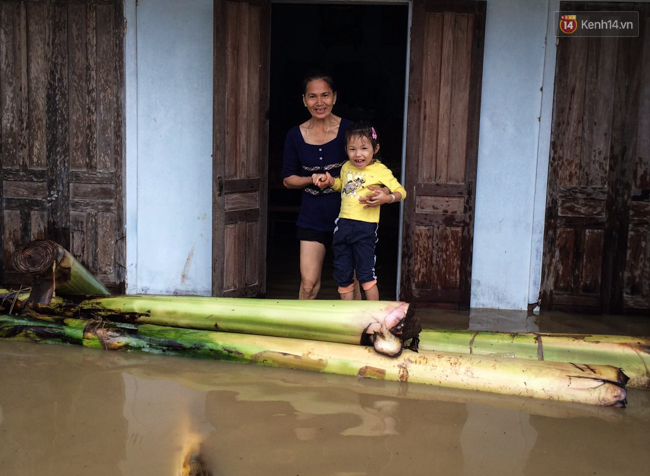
x=568, y=23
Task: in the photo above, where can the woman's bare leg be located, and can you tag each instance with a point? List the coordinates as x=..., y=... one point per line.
x=312, y=254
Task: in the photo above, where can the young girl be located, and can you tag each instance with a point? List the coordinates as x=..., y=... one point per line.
x=355, y=234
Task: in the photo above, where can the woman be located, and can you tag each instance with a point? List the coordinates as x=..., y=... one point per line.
x=315, y=147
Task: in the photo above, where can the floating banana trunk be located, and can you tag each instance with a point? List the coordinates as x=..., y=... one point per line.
x=598, y=385
x=632, y=354
x=348, y=322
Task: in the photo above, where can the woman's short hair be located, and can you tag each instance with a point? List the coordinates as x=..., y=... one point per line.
x=315, y=75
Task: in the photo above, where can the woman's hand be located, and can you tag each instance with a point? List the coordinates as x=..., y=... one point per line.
x=379, y=196
x=323, y=180
x=295, y=181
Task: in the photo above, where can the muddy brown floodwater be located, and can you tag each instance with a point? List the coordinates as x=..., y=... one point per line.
x=68, y=410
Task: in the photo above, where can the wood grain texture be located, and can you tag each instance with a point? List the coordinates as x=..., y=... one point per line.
x=20, y=175
x=574, y=98
x=463, y=32
x=15, y=189
x=38, y=39
x=440, y=205
x=51, y=60
x=105, y=89
x=38, y=225
x=598, y=107
x=106, y=243
x=430, y=96
x=423, y=258
x=78, y=86
x=92, y=191
x=442, y=140
x=446, y=86
x=231, y=88
x=219, y=144
x=588, y=216
x=241, y=51
x=10, y=82
x=413, y=140
x=452, y=251
x=11, y=232
x=592, y=261
x=91, y=85
x=641, y=173
x=243, y=80
x=78, y=236
x=581, y=207
x=564, y=260
x=254, y=115
x=252, y=253
x=241, y=201
x=58, y=150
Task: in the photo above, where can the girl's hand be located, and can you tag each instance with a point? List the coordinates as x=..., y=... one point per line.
x=376, y=198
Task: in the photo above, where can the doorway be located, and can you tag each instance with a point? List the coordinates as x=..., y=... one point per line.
x=364, y=48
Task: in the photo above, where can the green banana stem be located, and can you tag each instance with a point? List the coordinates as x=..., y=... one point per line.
x=631, y=354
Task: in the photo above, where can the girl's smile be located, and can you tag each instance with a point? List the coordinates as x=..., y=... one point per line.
x=360, y=151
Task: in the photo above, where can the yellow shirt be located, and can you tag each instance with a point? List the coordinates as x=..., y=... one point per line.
x=354, y=183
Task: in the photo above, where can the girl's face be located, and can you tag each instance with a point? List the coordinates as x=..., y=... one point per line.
x=319, y=99
x=360, y=151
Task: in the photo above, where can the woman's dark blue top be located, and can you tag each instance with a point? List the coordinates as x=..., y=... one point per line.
x=319, y=208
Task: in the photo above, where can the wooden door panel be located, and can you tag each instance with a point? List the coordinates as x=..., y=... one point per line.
x=637, y=267
x=577, y=206
x=594, y=246
x=61, y=91
x=444, y=100
x=240, y=147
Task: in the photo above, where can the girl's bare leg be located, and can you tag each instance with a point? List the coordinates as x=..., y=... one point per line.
x=372, y=294
x=312, y=254
x=347, y=296
x=357, y=289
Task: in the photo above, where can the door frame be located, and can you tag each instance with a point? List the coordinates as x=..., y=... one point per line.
x=219, y=140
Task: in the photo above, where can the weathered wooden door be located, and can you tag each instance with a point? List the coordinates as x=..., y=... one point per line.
x=597, y=230
x=61, y=92
x=240, y=163
x=441, y=151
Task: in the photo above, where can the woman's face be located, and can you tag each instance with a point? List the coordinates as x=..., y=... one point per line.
x=319, y=99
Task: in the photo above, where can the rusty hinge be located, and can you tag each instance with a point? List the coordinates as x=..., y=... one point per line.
x=219, y=186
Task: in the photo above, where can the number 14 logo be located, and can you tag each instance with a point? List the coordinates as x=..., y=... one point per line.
x=568, y=23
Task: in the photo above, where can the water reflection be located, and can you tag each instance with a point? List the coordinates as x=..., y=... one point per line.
x=75, y=411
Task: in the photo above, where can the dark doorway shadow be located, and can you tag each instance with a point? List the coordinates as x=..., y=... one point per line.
x=364, y=48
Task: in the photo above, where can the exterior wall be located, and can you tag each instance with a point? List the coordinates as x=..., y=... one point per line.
x=169, y=142
x=513, y=70
x=169, y=146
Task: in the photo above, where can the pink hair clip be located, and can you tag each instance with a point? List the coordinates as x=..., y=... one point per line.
x=374, y=133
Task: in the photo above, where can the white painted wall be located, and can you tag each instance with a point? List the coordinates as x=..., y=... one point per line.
x=169, y=142
x=508, y=152
x=169, y=146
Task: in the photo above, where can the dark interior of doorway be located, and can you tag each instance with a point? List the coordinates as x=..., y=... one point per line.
x=364, y=48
